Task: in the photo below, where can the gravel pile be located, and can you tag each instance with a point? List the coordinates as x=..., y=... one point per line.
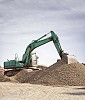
x=23, y=76
x=72, y=75
x=57, y=74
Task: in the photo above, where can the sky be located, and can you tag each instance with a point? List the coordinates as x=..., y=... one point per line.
x=22, y=21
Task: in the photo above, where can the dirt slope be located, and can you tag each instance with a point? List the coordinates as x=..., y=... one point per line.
x=57, y=74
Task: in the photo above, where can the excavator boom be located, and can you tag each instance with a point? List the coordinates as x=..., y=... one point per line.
x=27, y=55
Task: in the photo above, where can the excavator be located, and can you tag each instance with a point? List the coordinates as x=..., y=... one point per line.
x=26, y=61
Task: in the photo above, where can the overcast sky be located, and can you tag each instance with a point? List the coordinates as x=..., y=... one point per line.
x=22, y=21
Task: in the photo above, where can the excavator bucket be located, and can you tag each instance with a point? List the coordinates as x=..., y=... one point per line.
x=69, y=58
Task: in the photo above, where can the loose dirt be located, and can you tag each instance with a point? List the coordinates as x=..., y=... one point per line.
x=57, y=74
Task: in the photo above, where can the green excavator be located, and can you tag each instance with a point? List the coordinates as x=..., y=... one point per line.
x=26, y=61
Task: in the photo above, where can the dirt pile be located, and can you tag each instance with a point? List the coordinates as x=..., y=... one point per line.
x=3, y=78
x=72, y=74
x=23, y=76
x=57, y=74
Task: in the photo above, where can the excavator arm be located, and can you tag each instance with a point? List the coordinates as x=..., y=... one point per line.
x=26, y=59
x=56, y=42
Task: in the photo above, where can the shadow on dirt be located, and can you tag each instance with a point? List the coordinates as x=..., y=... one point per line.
x=82, y=92
x=82, y=88
x=77, y=93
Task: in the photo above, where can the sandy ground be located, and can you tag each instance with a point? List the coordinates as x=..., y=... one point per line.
x=18, y=91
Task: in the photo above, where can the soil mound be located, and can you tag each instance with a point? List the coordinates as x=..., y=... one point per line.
x=23, y=76
x=59, y=73
x=72, y=75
